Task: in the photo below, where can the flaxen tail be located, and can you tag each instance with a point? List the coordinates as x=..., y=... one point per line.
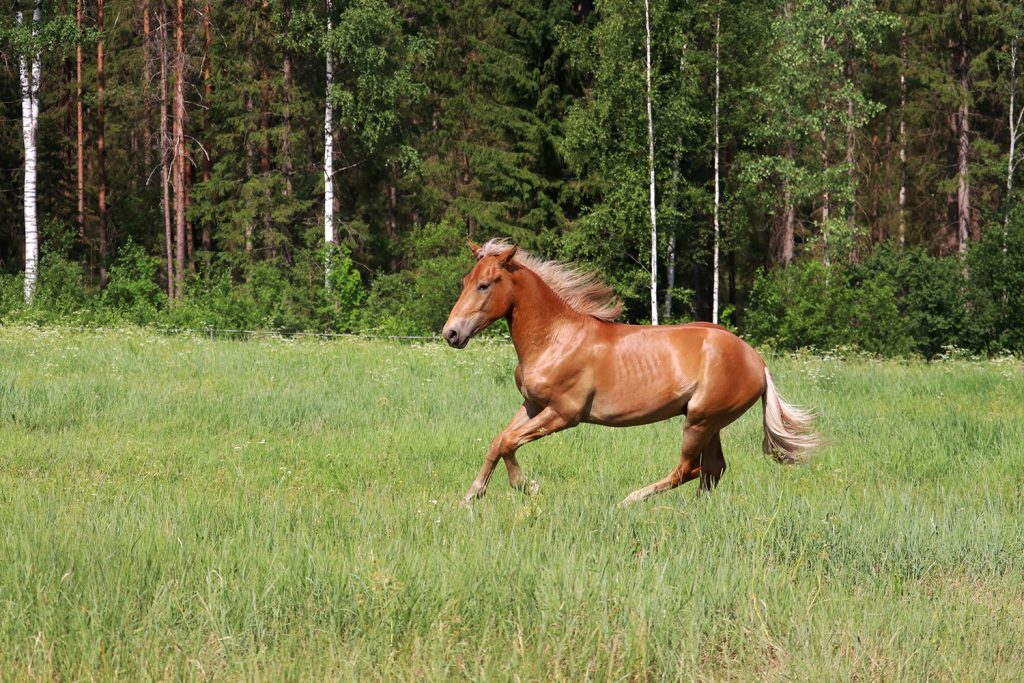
x=788, y=434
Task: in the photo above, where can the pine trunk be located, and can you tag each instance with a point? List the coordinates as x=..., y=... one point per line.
x=781, y=242
x=147, y=77
x=963, y=148
x=207, y=237
x=165, y=150
x=179, y=149
x=849, y=158
x=286, y=115
x=101, y=152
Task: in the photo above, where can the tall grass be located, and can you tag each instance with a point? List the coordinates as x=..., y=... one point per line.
x=176, y=508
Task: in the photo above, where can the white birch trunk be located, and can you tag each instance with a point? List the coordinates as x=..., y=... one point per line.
x=714, y=267
x=328, y=159
x=30, y=76
x=670, y=255
x=902, y=210
x=650, y=163
x=1015, y=122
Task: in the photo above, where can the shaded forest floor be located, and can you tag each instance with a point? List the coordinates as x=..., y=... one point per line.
x=178, y=508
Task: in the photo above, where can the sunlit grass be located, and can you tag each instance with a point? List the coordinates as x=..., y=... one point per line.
x=173, y=507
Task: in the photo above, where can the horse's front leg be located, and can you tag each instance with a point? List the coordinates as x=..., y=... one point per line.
x=524, y=428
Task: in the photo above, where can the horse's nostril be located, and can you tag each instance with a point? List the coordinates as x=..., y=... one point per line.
x=451, y=335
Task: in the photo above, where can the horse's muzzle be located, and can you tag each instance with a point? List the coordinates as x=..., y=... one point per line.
x=455, y=339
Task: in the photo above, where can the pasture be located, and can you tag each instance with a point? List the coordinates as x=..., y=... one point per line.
x=178, y=508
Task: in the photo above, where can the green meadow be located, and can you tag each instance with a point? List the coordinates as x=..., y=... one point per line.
x=176, y=508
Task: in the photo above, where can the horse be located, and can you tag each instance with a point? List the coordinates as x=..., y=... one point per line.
x=577, y=365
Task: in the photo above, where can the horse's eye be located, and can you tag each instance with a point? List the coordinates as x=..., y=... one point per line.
x=483, y=286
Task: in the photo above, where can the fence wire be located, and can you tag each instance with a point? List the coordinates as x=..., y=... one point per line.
x=229, y=333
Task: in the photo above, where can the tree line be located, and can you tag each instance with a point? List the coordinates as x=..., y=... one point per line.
x=317, y=165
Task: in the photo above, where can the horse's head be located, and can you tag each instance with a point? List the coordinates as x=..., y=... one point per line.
x=486, y=296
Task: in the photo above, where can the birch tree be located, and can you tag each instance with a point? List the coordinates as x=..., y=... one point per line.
x=636, y=124
x=328, y=156
x=650, y=166
x=30, y=73
x=1014, y=112
x=371, y=62
x=80, y=126
x=717, y=190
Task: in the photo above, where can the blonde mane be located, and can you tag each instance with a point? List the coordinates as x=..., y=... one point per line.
x=583, y=292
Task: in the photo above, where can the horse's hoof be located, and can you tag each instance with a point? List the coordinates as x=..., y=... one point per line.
x=628, y=501
x=532, y=488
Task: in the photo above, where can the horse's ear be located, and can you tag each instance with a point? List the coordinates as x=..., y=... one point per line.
x=474, y=247
x=507, y=257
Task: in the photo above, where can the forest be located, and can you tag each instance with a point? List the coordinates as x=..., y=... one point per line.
x=811, y=173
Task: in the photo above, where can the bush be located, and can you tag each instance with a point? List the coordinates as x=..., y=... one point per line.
x=996, y=288
x=811, y=305
x=417, y=300
x=132, y=291
x=929, y=294
x=337, y=306
x=60, y=294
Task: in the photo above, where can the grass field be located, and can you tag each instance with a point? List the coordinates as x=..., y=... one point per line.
x=178, y=508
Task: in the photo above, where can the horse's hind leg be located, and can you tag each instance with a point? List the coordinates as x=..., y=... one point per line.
x=712, y=463
x=696, y=435
x=516, y=478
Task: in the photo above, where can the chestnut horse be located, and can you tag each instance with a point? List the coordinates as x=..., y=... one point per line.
x=576, y=365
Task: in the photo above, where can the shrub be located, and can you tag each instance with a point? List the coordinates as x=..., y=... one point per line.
x=811, y=305
x=417, y=300
x=337, y=305
x=996, y=287
x=929, y=295
x=132, y=291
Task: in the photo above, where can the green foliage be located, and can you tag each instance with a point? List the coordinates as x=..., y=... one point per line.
x=269, y=295
x=527, y=120
x=929, y=294
x=898, y=301
x=12, y=294
x=416, y=301
x=59, y=293
x=133, y=290
x=996, y=296
x=341, y=299
x=810, y=305
x=375, y=75
x=606, y=142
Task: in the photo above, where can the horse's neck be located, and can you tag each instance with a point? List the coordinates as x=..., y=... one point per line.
x=537, y=315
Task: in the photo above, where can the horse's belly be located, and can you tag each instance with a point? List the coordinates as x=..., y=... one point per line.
x=620, y=409
x=631, y=418
x=639, y=388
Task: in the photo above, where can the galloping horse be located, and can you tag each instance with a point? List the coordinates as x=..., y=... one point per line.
x=576, y=365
